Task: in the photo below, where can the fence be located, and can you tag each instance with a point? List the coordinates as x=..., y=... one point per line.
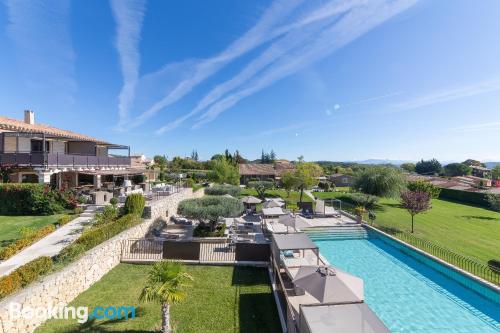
x=467, y=264
x=201, y=250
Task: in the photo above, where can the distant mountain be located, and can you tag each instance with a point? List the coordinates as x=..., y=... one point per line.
x=384, y=161
x=491, y=165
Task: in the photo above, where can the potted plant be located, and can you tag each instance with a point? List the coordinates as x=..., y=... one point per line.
x=359, y=211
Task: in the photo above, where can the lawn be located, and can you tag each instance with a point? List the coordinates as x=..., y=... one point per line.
x=291, y=200
x=468, y=230
x=11, y=225
x=221, y=299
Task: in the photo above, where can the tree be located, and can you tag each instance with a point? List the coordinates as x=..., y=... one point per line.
x=410, y=167
x=429, y=167
x=166, y=284
x=425, y=186
x=471, y=162
x=306, y=174
x=223, y=189
x=415, y=202
x=495, y=172
x=238, y=158
x=272, y=156
x=494, y=201
x=209, y=209
x=224, y=172
x=261, y=187
x=381, y=181
x=194, y=155
x=457, y=169
x=289, y=182
x=161, y=163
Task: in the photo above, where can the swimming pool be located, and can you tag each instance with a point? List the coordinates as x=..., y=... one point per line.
x=408, y=294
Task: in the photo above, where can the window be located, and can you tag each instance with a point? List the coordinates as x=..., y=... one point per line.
x=36, y=146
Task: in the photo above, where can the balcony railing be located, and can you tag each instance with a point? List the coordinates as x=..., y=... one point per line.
x=56, y=160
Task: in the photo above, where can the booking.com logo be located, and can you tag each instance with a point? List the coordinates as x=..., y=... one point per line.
x=81, y=313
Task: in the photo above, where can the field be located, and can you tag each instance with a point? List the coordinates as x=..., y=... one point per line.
x=11, y=225
x=468, y=230
x=221, y=299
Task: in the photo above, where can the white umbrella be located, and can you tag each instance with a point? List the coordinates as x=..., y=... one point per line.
x=329, y=285
x=250, y=200
x=272, y=204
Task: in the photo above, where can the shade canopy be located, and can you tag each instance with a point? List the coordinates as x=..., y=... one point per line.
x=276, y=211
x=274, y=202
x=250, y=200
x=329, y=285
x=345, y=318
x=295, y=241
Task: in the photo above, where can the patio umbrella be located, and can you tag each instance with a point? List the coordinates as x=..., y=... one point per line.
x=272, y=204
x=293, y=221
x=329, y=285
x=250, y=200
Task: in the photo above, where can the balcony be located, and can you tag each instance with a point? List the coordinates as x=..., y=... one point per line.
x=61, y=160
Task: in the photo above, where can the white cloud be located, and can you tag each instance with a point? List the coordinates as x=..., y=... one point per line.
x=40, y=32
x=356, y=22
x=328, y=112
x=482, y=127
x=128, y=16
x=336, y=107
x=450, y=94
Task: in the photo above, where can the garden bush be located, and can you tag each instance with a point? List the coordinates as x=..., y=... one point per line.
x=223, y=189
x=78, y=210
x=204, y=231
x=22, y=243
x=109, y=213
x=30, y=199
x=475, y=198
x=65, y=219
x=135, y=204
x=424, y=186
x=9, y=284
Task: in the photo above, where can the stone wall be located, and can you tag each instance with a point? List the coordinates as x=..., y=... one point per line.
x=63, y=286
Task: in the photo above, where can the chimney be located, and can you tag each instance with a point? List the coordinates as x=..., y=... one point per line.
x=29, y=117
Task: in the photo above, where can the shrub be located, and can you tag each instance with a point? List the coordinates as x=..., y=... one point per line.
x=29, y=199
x=223, y=189
x=78, y=210
x=363, y=200
x=34, y=269
x=204, y=231
x=22, y=243
x=9, y=284
x=113, y=202
x=475, y=198
x=65, y=219
x=135, y=204
x=190, y=182
x=494, y=201
x=109, y=213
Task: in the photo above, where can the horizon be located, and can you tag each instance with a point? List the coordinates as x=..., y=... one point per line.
x=334, y=81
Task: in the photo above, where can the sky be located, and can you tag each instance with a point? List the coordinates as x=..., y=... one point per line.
x=328, y=80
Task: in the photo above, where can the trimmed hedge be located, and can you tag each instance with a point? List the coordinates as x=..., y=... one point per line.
x=29, y=199
x=134, y=204
x=22, y=243
x=475, y=198
x=95, y=236
x=232, y=190
x=24, y=275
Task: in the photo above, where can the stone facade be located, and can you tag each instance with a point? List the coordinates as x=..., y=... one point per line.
x=63, y=286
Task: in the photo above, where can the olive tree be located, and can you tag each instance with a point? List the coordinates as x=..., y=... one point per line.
x=261, y=187
x=209, y=209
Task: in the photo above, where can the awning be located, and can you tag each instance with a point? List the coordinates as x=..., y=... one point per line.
x=345, y=318
x=250, y=200
x=113, y=172
x=294, y=241
x=275, y=211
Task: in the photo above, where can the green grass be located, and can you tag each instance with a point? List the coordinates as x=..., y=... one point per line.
x=221, y=299
x=11, y=225
x=468, y=230
x=291, y=200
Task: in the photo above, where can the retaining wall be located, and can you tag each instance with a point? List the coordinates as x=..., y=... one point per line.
x=63, y=286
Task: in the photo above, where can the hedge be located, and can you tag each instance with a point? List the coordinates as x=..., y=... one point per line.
x=223, y=189
x=475, y=198
x=29, y=199
x=23, y=243
x=24, y=275
x=134, y=204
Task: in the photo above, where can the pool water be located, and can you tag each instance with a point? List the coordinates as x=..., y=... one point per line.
x=408, y=295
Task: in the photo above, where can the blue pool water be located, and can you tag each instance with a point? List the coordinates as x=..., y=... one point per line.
x=408, y=295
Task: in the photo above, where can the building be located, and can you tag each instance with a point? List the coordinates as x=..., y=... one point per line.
x=481, y=172
x=273, y=172
x=37, y=153
x=342, y=180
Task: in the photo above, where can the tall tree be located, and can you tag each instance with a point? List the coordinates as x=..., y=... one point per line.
x=224, y=172
x=457, y=169
x=238, y=158
x=166, y=284
x=381, y=181
x=194, y=155
x=471, y=162
x=272, y=156
x=289, y=181
x=161, y=162
x=429, y=167
x=415, y=202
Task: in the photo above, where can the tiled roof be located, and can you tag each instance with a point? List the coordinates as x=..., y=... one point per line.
x=257, y=169
x=15, y=125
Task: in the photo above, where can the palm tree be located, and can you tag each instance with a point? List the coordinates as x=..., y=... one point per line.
x=165, y=285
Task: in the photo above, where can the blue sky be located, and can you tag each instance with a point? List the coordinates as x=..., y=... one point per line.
x=330, y=80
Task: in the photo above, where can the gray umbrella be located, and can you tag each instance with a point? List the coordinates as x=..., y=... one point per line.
x=272, y=204
x=329, y=285
x=250, y=200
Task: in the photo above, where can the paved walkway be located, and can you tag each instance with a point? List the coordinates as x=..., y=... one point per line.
x=49, y=245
